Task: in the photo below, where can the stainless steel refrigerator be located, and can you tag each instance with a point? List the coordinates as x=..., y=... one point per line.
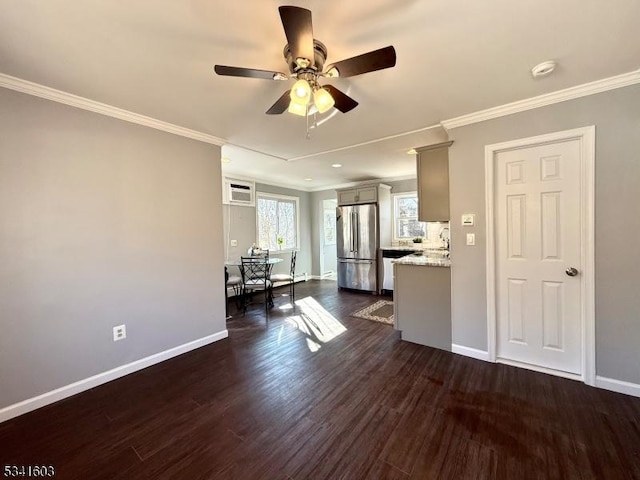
x=358, y=242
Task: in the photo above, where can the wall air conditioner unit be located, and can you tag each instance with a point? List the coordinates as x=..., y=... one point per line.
x=239, y=192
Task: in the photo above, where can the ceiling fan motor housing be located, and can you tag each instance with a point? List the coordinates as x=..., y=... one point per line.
x=320, y=55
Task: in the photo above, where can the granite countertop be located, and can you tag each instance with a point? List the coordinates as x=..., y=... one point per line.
x=413, y=248
x=402, y=248
x=437, y=260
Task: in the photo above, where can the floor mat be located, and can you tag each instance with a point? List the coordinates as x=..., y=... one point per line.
x=381, y=311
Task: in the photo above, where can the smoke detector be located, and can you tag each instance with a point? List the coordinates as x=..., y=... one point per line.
x=543, y=69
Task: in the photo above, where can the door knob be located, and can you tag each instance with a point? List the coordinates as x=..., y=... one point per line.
x=572, y=272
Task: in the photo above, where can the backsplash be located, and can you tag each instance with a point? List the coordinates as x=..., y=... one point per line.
x=437, y=236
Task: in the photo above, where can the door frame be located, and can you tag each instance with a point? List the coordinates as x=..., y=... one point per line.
x=586, y=138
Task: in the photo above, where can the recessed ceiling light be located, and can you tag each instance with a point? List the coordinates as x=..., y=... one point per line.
x=411, y=152
x=336, y=165
x=308, y=179
x=225, y=160
x=543, y=69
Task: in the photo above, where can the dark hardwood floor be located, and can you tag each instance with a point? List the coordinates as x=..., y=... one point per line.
x=284, y=400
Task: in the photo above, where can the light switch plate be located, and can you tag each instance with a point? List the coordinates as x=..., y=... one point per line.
x=471, y=238
x=234, y=243
x=468, y=219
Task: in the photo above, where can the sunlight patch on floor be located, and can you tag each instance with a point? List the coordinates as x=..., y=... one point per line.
x=316, y=323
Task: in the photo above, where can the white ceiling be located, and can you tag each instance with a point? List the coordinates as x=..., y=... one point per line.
x=455, y=57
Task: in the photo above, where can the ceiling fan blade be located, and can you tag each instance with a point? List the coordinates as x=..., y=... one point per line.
x=367, y=62
x=281, y=104
x=299, y=31
x=344, y=102
x=249, y=73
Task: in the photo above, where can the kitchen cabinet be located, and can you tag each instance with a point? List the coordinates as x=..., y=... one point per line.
x=422, y=304
x=433, y=182
x=355, y=196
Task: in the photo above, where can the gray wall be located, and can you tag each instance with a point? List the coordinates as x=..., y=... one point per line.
x=403, y=186
x=240, y=225
x=616, y=115
x=102, y=222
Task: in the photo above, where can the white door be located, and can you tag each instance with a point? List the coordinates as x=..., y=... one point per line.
x=538, y=239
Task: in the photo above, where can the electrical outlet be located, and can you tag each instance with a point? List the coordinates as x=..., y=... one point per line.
x=119, y=333
x=234, y=243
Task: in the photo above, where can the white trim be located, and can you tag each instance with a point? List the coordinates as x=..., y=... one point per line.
x=323, y=276
x=395, y=218
x=286, y=198
x=598, y=86
x=490, y=253
x=611, y=384
x=53, y=396
x=470, y=352
x=24, y=86
x=538, y=368
x=586, y=137
x=571, y=93
x=619, y=386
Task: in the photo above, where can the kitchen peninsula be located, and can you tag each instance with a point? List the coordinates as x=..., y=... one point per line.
x=422, y=299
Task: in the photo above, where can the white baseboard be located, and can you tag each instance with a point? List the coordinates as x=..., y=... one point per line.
x=611, y=384
x=53, y=396
x=322, y=277
x=470, y=352
x=619, y=386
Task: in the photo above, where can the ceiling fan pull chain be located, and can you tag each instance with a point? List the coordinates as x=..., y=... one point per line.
x=307, y=119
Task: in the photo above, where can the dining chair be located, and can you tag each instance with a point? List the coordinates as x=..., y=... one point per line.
x=287, y=277
x=235, y=282
x=255, y=273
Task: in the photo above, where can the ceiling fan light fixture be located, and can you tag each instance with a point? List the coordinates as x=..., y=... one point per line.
x=297, y=109
x=323, y=100
x=301, y=92
x=332, y=73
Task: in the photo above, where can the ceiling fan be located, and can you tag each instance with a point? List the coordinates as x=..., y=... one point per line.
x=305, y=57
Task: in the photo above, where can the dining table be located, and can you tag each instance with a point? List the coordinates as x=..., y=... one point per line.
x=238, y=263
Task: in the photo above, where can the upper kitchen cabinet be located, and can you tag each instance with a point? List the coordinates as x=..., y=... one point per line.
x=433, y=182
x=358, y=195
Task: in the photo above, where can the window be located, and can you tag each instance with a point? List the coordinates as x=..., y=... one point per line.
x=277, y=222
x=405, y=217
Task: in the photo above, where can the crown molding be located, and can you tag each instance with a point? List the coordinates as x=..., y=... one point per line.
x=30, y=88
x=599, y=86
